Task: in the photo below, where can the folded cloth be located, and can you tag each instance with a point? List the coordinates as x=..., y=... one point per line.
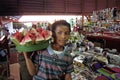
x=101, y=78
x=116, y=69
x=117, y=75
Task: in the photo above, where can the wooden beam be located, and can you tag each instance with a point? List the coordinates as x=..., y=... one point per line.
x=0, y=21
x=96, y=5
x=107, y=3
x=82, y=6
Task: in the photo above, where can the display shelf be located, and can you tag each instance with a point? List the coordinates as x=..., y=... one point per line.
x=87, y=72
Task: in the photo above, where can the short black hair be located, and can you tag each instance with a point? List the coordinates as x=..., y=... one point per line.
x=58, y=23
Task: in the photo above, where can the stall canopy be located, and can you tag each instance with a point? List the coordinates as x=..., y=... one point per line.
x=37, y=7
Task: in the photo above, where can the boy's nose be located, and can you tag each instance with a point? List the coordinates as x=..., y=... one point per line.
x=63, y=36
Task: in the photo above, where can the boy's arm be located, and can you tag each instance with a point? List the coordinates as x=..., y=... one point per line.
x=30, y=65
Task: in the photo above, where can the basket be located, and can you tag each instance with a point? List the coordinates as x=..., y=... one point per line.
x=35, y=47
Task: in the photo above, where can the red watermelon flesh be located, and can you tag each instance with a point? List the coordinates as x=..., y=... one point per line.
x=46, y=34
x=16, y=38
x=32, y=34
x=39, y=30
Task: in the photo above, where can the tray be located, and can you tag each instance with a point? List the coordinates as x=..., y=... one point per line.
x=42, y=45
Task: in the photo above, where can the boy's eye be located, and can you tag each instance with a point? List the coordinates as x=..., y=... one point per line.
x=67, y=33
x=59, y=32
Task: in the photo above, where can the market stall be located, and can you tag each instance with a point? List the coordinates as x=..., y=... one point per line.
x=95, y=65
x=111, y=39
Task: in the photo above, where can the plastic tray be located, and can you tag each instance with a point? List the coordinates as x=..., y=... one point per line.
x=31, y=48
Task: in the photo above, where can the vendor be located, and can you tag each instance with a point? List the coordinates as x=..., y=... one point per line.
x=54, y=62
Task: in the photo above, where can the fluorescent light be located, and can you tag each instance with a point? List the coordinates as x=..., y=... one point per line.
x=49, y=18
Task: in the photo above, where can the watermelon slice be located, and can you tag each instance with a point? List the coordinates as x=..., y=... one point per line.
x=39, y=38
x=16, y=38
x=26, y=40
x=39, y=30
x=32, y=34
x=24, y=32
x=33, y=31
x=46, y=34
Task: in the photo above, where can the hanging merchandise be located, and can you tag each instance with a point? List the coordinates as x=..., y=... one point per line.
x=106, y=14
x=71, y=22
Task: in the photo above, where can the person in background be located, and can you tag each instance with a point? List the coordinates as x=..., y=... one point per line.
x=4, y=32
x=54, y=62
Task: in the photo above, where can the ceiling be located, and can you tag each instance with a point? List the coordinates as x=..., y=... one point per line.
x=38, y=7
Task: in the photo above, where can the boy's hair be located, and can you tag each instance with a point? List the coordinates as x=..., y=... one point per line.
x=59, y=23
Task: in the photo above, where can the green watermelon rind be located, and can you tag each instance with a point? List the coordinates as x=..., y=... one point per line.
x=39, y=42
x=15, y=41
x=35, y=47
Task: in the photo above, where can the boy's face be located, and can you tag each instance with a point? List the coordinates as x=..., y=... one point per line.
x=62, y=35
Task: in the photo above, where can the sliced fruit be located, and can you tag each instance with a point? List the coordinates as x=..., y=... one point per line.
x=16, y=38
x=39, y=38
x=32, y=34
x=26, y=40
x=31, y=37
x=39, y=30
x=46, y=34
x=24, y=32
